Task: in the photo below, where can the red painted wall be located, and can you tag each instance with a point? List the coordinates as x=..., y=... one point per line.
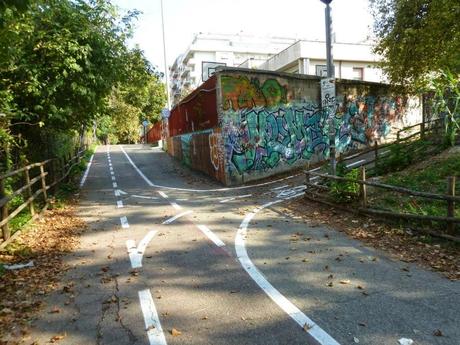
x=197, y=112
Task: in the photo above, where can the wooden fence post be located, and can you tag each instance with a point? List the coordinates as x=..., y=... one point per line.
x=363, y=189
x=29, y=191
x=376, y=154
x=450, y=203
x=4, y=212
x=422, y=130
x=42, y=175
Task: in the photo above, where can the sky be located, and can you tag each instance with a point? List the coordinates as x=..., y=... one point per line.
x=352, y=21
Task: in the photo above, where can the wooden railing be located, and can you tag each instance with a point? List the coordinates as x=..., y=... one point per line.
x=362, y=203
x=405, y=136
x=49, y=174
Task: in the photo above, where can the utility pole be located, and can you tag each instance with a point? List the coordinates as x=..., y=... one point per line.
x=330, y=103
x=164, y=56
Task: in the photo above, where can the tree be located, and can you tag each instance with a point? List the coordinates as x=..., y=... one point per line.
x=418, y=39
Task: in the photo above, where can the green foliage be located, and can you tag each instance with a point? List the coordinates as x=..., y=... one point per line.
x=417, y=38
x=344, y=191
x=61, y=62
x=446, y=104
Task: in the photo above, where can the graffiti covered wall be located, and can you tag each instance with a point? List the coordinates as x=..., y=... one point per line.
x=199, y=151
x=273, y=122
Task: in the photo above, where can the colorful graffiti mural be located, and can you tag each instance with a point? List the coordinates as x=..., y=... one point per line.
x=260, y=139
x=241, y=92
x=362, y=120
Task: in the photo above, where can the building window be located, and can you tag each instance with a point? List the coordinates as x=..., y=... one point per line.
x=209, y=68
x=358, y=73
x=321, y=71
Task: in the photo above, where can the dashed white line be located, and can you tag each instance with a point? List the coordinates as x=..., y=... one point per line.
x=236, y=197
x=163, y=194
x=113, y=178
x=115, y=185
x=317, y=334
x=212, y=236
x=116, y=192
x=176, y=206
x=119, y=204
x=177, y=216
x=355, y=163
x=136, y=253
x=144, y=197
x=286, y=185
x=85, y=175
x=152, y=322
x=124, y=222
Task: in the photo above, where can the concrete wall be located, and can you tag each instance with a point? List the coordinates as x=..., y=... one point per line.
x=272, y=122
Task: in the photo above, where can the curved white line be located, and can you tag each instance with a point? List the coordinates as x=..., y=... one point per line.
x=177, y=216
x=136, y=253
x=316, y=333
x=151, y=184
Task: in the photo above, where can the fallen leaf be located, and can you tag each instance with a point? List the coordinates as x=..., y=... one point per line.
x=175, y=333
x=345, y=281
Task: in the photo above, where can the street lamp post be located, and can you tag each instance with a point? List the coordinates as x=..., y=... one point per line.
x=164, y=56
x=330, y=103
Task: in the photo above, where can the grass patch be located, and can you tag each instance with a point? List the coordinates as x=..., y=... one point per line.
x=429, y=176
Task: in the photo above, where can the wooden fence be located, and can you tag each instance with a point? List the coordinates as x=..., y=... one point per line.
x=364, y=206
x=406, y=136
x=48, y=175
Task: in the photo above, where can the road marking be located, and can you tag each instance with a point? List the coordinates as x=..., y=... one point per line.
x=163, y=194
x=85, y=175
x=115, y=185
x=172, y=219
x=111, y=168
x=176, y=206
x=182, y=199
x=120, y=192
x=236, y=197
x=144, y=197
x=355, y=163
x=124, y=222
x=311, y=170
x=151, y=184
x=152, y=322
x=212, y=236
x=317, y=334
x=117, y=192
x=119, y=204
x=113, y=178
x=136, y=253
x=286, y=185
x=291, y=191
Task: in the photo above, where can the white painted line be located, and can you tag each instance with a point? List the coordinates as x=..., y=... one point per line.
x=85, y=175
x=136, y=253
x=317, y=334
x=144, y=197
x=163, y=194
x=355, y=163
x=124, y=222
x=177, y=216
x=151, y=184
x=291, y=191
x=182, y=199
x=111, y=168
x=286, y=185
x=176, y=206
x=115, y=185
x=315, y=169
x=113, y=178
x=119, y=204
x=152, y=322
x=120, y=192
x=212, y=236
x=117, y=192
x=236, y=197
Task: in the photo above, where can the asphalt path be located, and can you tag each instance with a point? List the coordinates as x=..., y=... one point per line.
x=173, y=257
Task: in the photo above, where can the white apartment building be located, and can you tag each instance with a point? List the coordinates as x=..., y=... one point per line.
x=351, y=60
x=208, y=51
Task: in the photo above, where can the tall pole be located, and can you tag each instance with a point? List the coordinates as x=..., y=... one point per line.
x=164, y=56
x=329, y=58
x=330, y=74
